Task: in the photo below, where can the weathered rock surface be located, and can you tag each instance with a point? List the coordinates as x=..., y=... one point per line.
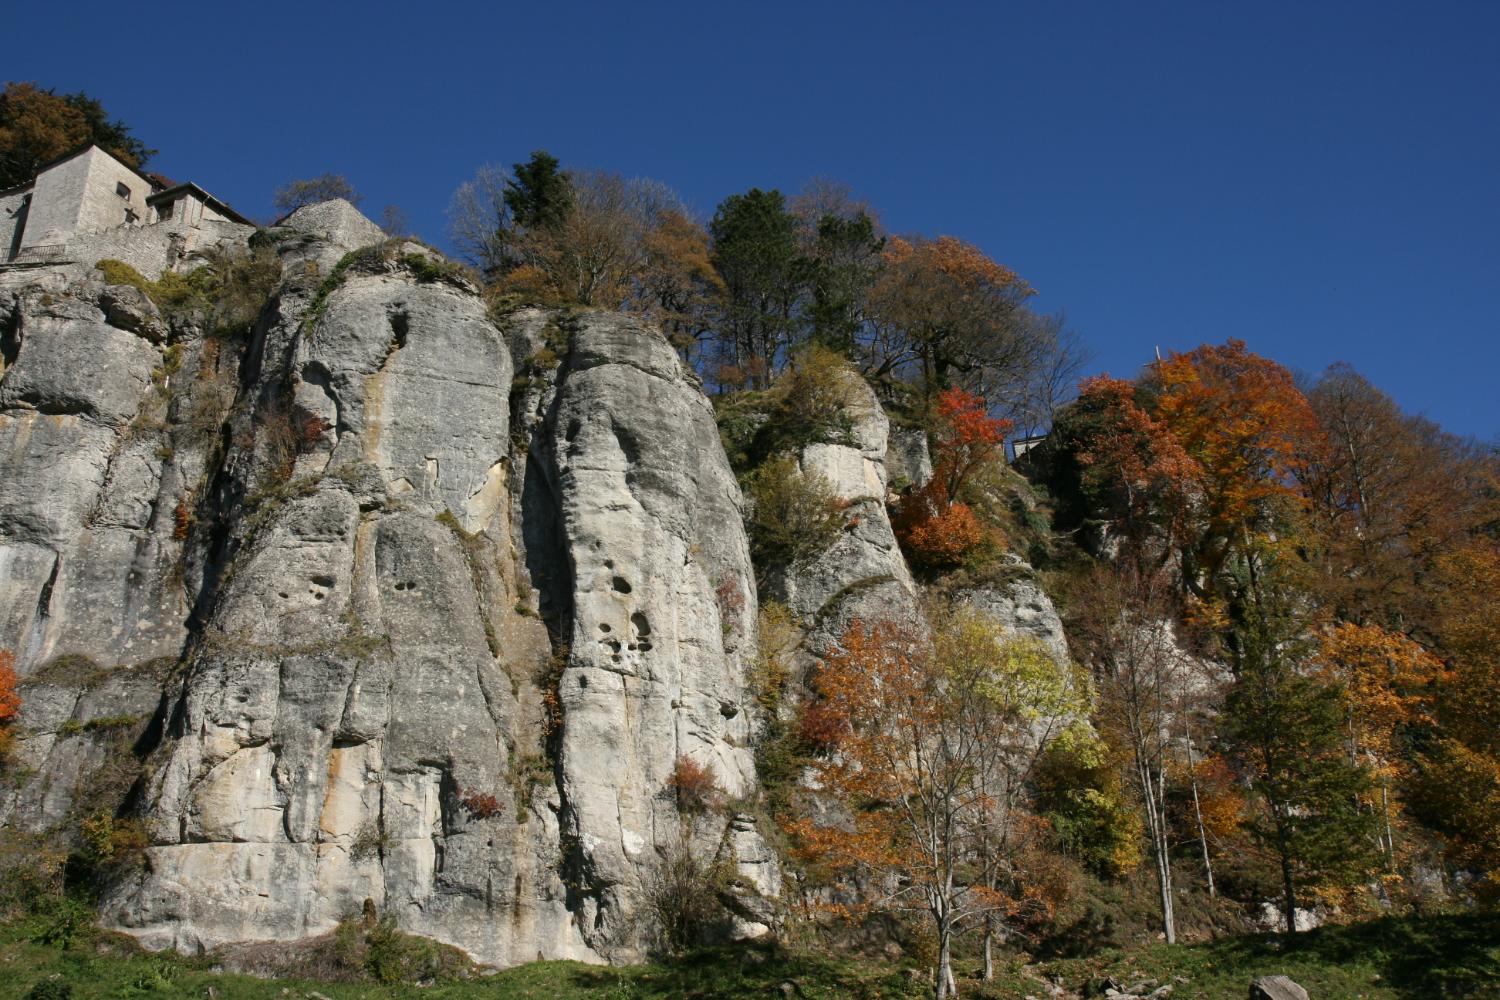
x=662, y=600
x=863, y=574
x=344, y=611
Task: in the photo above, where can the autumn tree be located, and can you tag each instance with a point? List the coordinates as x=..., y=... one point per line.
x=1458, y=786
x=1147, y=688
x=678, y=285
x=1389, y=495
x=929, y=744
x=595, y=252
x=10, y=700
x=1285, y=726
x=946, y=314
x=929, y=750
x=1126, y=468
x=934, y=524
x=310, y=191
x=1242, y=420
x=1388, y=683
x=38, y=125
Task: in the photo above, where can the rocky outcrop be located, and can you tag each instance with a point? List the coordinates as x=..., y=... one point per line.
x=346, y=611
x=863, y=574
x=652, y=577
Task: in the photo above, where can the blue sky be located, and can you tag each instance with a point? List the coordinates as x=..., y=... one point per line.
x=1321, y=180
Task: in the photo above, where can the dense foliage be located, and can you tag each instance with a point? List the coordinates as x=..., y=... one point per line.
x=38, y=125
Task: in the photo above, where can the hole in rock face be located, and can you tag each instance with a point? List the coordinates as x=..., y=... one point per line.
x=573, y=428
x=604, y=626
x=621, y=585
x=285, y=595
x=642, y=626
x=316, y=596
x=322, y=581
x=583, y=682
x=644, y=647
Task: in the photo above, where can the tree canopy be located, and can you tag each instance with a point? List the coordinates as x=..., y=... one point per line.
x=38, y=125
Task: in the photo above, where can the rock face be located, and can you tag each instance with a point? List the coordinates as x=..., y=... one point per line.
x=345, y=611
x=662, y=601
x=388, y=600
x=862, y=575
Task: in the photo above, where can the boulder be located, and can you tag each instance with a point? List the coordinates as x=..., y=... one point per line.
x=1276, y=988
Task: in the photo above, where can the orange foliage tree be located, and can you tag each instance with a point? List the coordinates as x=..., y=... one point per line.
x=1132, y=466
x=929, y=746
x=944, y=308
x=934, y=525
x=1459, y=790
x=1241, y=418
x=1388, y=681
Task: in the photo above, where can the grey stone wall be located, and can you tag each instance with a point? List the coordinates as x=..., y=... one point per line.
x=12, y=221
x=80, y=196
x=149, y=249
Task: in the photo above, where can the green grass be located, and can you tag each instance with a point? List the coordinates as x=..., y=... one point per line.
x=1400, y=959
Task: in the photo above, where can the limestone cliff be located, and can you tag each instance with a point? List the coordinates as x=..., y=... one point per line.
x=376, y=596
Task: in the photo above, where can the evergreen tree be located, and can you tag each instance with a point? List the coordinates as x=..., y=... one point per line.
x=755, y=250
x=1286, y=728
x=846, y=259
x=540, y=196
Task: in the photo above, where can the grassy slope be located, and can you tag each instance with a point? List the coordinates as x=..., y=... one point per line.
x=1400, y=959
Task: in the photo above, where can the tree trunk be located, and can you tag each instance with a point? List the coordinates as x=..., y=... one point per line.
x=989, y=949
x=1289, y=901
x=1208, y=865
x=945, y=987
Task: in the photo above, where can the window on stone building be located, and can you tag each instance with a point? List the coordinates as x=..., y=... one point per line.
x=122, y=190
x=165, y=209
x=130, y=216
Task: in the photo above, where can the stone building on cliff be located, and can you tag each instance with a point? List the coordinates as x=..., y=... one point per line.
x=90, y=205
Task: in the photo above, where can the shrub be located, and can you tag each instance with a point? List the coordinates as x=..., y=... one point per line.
x=682, y=897
x=816, y=394
x=481, y=805
x=936, y=533
x=50, y=989
x=394, y=957
x=794, y=515
x=696, y=787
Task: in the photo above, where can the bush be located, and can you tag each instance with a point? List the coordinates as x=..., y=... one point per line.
x=696, y=787
x=50, y=989
x=816, y=395
x=682, y=897
x=794, y=515
x=936, y=533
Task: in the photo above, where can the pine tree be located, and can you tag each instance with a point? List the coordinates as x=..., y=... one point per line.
x=540, y=196
x=1286, y=727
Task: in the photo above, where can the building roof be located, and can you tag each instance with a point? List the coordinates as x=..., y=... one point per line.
x=43, y=168
x=222, y=207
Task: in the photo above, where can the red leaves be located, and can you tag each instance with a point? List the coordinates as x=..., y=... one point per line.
x=10, y=701
x=481, y=805
x=933, y=525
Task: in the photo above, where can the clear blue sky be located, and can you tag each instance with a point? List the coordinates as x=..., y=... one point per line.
x=1319, y=179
